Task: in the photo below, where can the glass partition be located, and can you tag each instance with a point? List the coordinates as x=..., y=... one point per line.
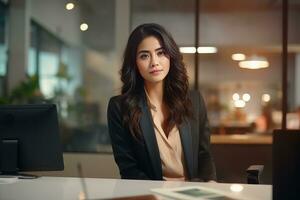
x=75, y=56
x=240, y=65
x=293, y=89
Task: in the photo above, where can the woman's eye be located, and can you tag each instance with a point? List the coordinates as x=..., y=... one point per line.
x=161, y=53
x=144, y=56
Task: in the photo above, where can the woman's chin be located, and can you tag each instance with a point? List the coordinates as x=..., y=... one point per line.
x=156, y=80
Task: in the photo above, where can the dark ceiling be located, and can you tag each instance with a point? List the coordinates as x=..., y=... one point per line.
x=206, y=5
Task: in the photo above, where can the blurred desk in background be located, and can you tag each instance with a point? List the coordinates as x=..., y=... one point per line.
x=241, y=139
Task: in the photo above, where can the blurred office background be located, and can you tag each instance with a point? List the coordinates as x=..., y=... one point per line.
x=69, y=52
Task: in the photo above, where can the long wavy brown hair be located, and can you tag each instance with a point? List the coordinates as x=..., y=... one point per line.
x=176, y=84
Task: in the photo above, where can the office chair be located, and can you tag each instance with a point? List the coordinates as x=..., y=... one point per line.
x=253, y=174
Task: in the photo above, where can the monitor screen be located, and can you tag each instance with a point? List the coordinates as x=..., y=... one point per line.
x=29, y=138
x=286, y=164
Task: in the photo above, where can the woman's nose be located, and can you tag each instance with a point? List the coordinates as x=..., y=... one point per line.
x=154, y=61
x=154, y=64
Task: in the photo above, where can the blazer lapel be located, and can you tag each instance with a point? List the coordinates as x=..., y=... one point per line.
x=186, y=140
x=150, y=139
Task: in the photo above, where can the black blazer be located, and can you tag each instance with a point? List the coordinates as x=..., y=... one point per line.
x=141, y=159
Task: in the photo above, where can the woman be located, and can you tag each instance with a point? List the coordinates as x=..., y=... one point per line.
x=158, y=130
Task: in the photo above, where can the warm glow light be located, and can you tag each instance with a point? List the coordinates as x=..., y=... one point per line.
x=239, y=104
x=207, y=50
x=70, y=6
x=266, y=97
x=201, y=50
x=236, y=188
x=246, y=97
x=253, y=64
x=238, y=56
x=84, y=27
x=235, y=96
x=187, y=49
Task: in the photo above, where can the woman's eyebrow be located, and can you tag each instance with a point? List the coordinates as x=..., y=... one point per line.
x=143, y=51
x=147, y=51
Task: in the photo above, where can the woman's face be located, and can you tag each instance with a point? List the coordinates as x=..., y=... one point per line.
x=152, y=61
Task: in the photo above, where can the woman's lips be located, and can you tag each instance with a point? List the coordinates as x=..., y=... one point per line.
x=156, y=71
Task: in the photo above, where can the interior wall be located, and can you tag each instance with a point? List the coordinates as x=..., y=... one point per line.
x=18, y=42
x=63, y=23
x=221, y=29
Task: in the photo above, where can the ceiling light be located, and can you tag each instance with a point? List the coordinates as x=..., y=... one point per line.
x=239, y=104
x=187, y=49
x=70, y=6
x=235, y=96
x=266, y=97
x=238, y=56
x=84, y=27
x=202, y=50
x=254, y=62
x=207, y=50
x=246, y=97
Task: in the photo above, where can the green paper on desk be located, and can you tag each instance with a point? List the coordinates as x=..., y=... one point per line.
x=192, y=193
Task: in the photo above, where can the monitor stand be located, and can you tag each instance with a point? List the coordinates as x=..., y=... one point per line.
x=9, y=160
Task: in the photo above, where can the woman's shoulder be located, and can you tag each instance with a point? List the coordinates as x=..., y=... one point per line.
x=196, y=98
x=115, y=102
x=116, y=99
x=195, y=94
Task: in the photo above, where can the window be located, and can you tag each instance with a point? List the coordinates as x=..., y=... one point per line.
x=76, y=69
x=3, y=47
x=44, y=60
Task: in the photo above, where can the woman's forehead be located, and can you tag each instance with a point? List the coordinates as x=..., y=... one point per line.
x=149, y=43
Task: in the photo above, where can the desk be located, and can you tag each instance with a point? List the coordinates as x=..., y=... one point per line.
x=60, y=188
x=241, y=139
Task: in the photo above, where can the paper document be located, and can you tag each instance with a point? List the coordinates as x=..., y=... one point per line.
x=193, y=193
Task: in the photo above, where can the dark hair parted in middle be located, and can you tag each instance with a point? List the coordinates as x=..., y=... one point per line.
x=175, y=84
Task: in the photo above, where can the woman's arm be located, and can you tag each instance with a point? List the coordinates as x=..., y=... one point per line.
x=207, y=170
x=122, y=143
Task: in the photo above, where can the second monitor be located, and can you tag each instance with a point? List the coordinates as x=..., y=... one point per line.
x=29, y=139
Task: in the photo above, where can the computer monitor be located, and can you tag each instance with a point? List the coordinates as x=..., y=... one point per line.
x=29, y=139
x=286, y=164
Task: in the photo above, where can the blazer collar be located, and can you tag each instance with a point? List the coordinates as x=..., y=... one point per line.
x=186, y=141
x=146, y=125
x=151, y=143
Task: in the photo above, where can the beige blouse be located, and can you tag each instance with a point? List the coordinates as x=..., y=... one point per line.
x=170, y=149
